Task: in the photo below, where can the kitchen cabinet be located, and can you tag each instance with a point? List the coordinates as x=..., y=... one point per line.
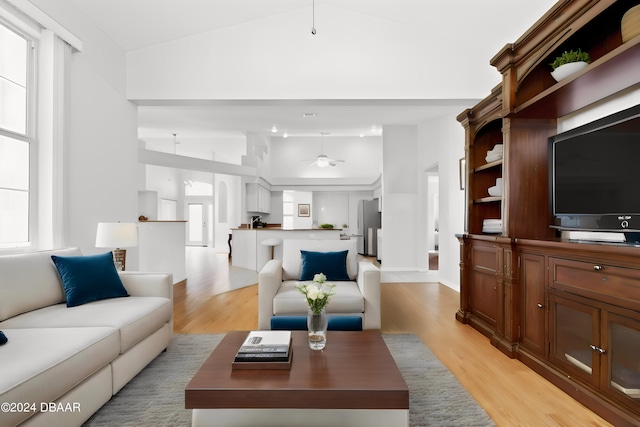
x=258, y=199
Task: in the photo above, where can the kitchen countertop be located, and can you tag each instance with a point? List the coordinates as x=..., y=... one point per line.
x=250, y=248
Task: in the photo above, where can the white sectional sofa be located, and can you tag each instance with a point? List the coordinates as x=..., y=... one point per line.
x=66, y=362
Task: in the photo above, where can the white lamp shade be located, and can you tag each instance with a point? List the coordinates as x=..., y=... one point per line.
x=116, y=235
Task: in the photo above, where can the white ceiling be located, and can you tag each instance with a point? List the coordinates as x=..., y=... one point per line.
x=138, y=24
x=135, y=24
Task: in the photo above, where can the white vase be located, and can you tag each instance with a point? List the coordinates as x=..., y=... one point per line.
x=564, y=71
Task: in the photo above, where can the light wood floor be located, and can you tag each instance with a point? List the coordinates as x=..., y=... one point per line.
x=511, y=393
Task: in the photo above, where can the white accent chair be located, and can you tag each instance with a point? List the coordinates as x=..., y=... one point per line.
x=278, y=295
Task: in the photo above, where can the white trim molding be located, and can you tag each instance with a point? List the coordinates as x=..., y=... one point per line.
x=44, y=20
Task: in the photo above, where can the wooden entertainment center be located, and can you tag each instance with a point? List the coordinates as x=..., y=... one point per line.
x=568, y=310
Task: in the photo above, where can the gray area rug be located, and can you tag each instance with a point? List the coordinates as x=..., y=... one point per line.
x=156, y=396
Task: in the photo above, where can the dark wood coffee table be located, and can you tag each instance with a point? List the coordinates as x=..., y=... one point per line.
x=354, y=381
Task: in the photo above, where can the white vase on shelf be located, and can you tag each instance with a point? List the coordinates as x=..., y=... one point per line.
x=565, y=70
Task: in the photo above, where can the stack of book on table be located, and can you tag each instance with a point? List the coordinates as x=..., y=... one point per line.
x=265, y=350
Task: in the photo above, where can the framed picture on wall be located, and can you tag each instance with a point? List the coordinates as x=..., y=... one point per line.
x=304, y=210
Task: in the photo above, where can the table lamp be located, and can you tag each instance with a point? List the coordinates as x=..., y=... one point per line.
x=117, y=235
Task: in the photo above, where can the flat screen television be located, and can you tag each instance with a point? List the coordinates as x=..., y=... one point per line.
x=594, y=175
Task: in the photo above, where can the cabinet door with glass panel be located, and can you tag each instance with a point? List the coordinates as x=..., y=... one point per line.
x=620, y=376
x=600, y=345
x=574, y=334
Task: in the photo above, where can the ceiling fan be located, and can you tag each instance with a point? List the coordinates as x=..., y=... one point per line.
x=323, y=160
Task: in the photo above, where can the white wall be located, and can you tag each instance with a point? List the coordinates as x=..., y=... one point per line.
x=164, y=181
x=258, y=149
x=400, y=197
x=222, y=229
x=331, y=208
x=353, y=56
x=303, y=197
x=442, y=142
x=341, y=205
x=102, y=159
x=405, y=195
x=275, y=217
x=291, y=158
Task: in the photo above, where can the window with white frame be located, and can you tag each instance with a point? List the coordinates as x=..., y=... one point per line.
x=287, y=210
x=16, y=137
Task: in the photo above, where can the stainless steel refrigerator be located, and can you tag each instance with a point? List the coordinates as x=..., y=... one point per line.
x=369, y=221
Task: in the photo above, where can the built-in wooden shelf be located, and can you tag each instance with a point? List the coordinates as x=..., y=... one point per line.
x=515, y=284
x=490, y=199
x=488, y=166
x=610, y=74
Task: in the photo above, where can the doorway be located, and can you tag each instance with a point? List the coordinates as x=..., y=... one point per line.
x=198, y=210
x=199, y=223
x=196, y=224
x=433, y=218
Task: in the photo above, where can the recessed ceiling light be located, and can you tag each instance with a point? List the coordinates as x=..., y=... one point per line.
x=362, y=135
x=286, y=135
x=274, y=129
x=307, y=115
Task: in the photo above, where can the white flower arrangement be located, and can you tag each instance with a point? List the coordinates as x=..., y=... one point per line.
x=317, y=293
x=319, y=278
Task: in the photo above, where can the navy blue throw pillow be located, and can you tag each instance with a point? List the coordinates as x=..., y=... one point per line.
x=89, y=278
x=331, y=264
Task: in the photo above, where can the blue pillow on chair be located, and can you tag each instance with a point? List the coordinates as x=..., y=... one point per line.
x=331, y=264
x=89, y=278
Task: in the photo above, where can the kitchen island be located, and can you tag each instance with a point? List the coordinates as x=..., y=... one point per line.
x=161, y=247
x=249, y=252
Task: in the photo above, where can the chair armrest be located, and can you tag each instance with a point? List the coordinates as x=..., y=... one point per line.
x=368, y=281
x=269, y=281
x=142, y=284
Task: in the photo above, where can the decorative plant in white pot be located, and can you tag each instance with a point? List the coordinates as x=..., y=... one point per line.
x=568, y=63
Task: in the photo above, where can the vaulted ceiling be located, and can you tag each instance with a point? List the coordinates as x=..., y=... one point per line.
x=136, y=25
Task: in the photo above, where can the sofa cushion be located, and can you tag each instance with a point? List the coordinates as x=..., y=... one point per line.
x=289, y=300
x=331, y=264
x=89, y=278
x=30, y=281
x=40, y=365
x=292, y=259
x=135, y=317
